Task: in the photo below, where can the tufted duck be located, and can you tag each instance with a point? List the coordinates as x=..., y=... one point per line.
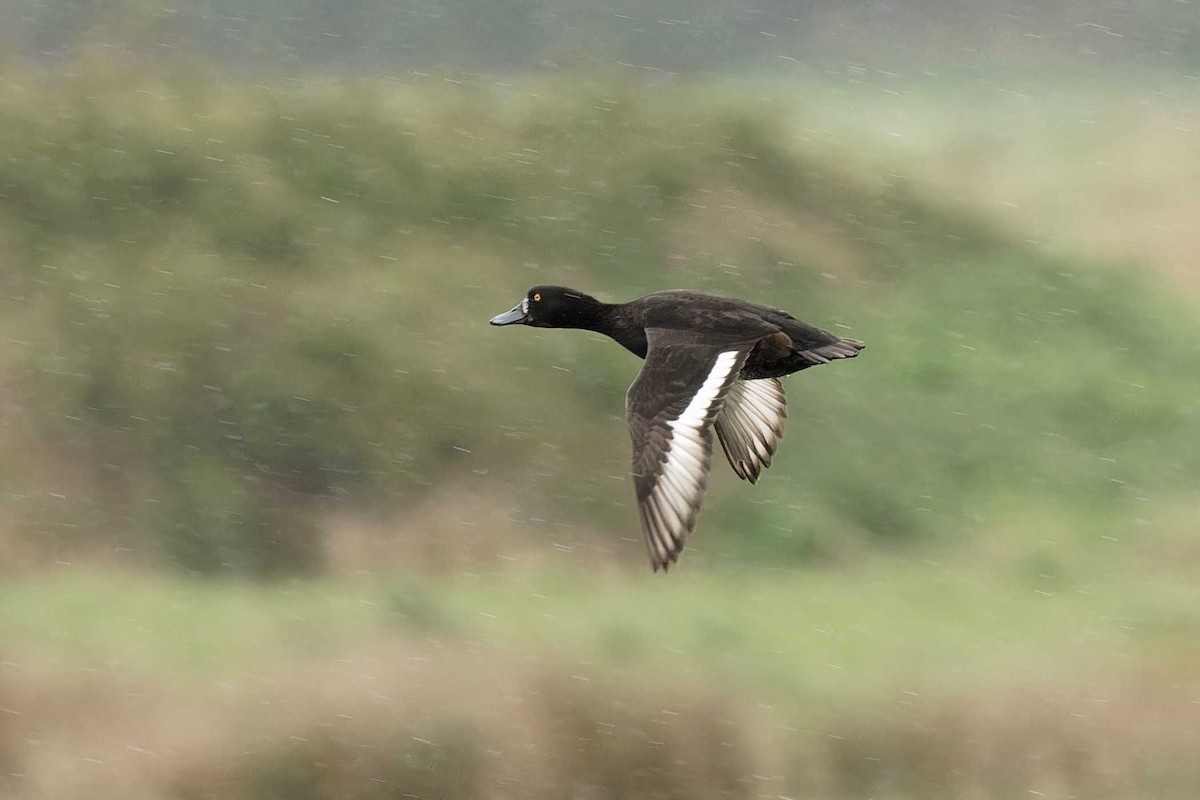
x=710, y=362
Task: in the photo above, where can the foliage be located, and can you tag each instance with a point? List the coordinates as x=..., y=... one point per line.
x=674, y=35
x=232, y=306
x=900, y=678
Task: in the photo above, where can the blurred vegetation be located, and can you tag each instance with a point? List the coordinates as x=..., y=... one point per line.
x=905, y=679
x=781, y=36
x=244, y=334
x=231, y=307
x=1097, y=166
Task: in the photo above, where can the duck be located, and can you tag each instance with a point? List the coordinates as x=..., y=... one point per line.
x=710, y=363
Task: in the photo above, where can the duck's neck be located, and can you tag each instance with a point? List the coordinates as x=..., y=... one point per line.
x=606, y=318
x=585, y=313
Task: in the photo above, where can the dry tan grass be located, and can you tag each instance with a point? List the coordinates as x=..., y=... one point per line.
x=452, y=530
x=1134, y=735
x=408, y=719
x=418, y=718
x=447, y=530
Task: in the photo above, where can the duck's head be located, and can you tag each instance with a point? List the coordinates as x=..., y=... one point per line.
x=550, y=307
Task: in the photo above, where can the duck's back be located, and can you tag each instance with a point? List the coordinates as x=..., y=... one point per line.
x=723, y=319
x=686, y=310
x=679, y=309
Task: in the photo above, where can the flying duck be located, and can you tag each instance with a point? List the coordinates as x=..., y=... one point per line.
x=710, y=362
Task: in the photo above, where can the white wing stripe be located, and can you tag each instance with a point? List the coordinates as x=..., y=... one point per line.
x=693, y=416
x=686, y=461
x=655, y=537
x=678, y=484
x=671, y=523
x=679, y=501
x=671, y=506
x=673, y=516
x=673, y=497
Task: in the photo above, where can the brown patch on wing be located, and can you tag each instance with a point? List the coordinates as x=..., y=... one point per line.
x=774, y=347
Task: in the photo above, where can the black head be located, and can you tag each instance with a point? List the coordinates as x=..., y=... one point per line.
x=551, y=307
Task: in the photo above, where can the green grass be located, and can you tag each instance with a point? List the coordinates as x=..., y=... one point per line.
x=186, y=630
x=1043, y=667
x=785, y=636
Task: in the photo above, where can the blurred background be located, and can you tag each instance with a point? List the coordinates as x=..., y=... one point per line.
x=282, y=517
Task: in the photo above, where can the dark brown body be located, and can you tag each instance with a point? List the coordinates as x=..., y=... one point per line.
x=787, y=344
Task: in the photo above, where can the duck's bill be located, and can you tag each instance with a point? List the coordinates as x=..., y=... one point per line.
x=517, y=314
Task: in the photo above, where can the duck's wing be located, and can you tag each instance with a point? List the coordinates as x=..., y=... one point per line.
x=840, y=347
x=750, y=425
x=816, y=345
x=671, y=406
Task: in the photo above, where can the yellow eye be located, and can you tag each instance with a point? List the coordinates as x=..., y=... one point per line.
x=537, y=297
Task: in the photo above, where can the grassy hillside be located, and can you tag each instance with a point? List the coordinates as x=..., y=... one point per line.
x=230, y=307
x=1099, y=164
